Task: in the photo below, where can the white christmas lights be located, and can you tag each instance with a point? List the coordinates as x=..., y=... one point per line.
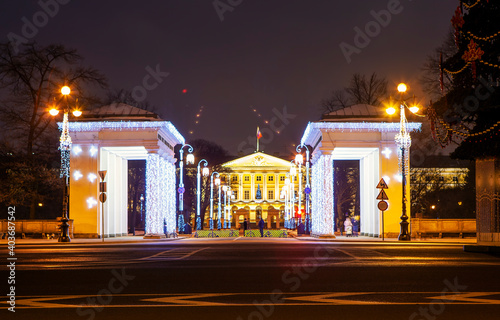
x=322, y=196
x=93, y=151
x=77, y=175
x=355, y=126
x=81, y=126
x=77, y=150
x=91, y=177
x=160, y=195
x=153, y=203
x=91, y=202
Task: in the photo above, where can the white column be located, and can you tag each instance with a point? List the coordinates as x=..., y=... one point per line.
x=240, y=188
x=322, y=196
x=264, y=187
x=122, y=214
x=154, y=222
x=252, y=187
x=170, y=195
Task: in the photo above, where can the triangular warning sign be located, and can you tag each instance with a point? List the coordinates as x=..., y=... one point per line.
x=102, y=174
x=382, y=195
x=382, y=185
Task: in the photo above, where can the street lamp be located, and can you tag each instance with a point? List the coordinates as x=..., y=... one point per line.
x=65, y=147
x=206, y=172
x=229, y=194
x=142, y=216
x=403, y=140
x=181, y=190
x=286, y=189
x=307, y=189
x=224, y=189
x=219, y=215
x=212, y=197
x=293, y=175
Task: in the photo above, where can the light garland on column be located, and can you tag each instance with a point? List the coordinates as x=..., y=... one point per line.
x=322, y=196
x=65, y=147
x=170, y=195
x=153, y=201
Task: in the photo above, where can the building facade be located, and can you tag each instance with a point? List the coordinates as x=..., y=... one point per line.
x=260, y=185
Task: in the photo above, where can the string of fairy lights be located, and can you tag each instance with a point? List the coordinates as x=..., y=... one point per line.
x=443, y=131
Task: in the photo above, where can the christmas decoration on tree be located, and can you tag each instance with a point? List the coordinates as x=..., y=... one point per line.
x=468, y=113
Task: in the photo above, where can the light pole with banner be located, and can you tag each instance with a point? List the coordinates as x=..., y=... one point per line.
x=181, y=189
x=65, y=147
x=205, y=172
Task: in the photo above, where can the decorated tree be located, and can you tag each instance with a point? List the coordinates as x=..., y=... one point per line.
x=468, y=110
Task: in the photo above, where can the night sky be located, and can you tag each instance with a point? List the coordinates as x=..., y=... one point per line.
x=264, y=55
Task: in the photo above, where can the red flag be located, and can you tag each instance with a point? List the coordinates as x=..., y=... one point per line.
x=259, y=135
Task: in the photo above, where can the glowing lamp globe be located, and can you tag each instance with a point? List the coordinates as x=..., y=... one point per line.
x=390, y=110
x=224, y=188
x=65, y=90
x=299, y=159
x=293, y=171
x=54, y=112
x=287, y=181
x=77, y=113
x=414, y=109
x=217, y=181
x=190, y=158
x=205, y=171
x=402, y=87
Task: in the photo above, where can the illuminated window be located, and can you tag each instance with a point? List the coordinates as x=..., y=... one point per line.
x=247, y=178
x=235, y=178
x=270, y=178
x=270, y=194
x=247, y=195
x=235, y=194
x=258, y=178
x=282, y=178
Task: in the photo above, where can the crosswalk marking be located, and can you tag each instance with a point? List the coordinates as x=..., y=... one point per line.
x=252, y=299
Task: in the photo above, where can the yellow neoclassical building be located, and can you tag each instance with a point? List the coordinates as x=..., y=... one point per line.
x=257, y=182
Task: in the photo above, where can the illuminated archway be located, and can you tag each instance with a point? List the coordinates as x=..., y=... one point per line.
x=361, y=133
x=108, y=145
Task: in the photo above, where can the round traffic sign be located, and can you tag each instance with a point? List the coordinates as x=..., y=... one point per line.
x=181, y=190
x=307, y=190
x=102, y=197
x=382, y=205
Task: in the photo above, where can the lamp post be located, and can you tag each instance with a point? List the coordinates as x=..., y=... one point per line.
x=142, y=217
x=224, y=190
x=219, y=213
x=403, y=140
x=212, y=198
x=286, y=189
x=181, y=189
x=307, y=189
x=230, y=194
x=293, y=174
x=65, y=147
x=206, y=172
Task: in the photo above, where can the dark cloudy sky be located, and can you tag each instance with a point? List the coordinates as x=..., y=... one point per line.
x=263, y=55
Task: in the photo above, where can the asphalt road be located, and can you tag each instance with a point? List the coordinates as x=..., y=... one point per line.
x=252, y=279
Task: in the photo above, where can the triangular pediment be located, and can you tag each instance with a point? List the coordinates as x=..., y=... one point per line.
x=257, y=159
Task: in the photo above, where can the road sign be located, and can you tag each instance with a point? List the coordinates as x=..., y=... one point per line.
x=382, y=205
x=102, y=197
x=382, y=185
x=382, y=195
x=102, y=174
x=181, y=190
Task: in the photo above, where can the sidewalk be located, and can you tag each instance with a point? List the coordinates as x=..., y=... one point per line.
x=141, y=240
x=109, y=241
x=392, y=240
